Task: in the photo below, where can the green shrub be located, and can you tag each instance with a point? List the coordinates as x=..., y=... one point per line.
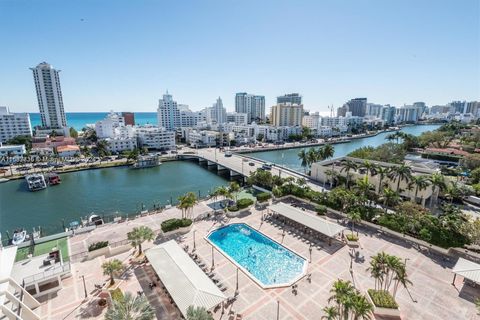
x=321, y=209
x=97, y=245
x=263, y=196
x=117, y=295
x=382, y=299
x=232, y=208
x=351, y=237
x=243, y=203
x=174, y=224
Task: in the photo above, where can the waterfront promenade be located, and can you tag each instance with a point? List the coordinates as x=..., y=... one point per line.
x=432, y=295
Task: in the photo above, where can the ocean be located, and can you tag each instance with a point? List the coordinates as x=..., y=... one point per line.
x=79, y=120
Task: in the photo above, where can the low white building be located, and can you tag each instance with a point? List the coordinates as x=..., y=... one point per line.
x=151, y=137
x=14, y=151
x=106, y=128
x=14, y=124
x=121, y=144
x=68, y=151
x=237, y=118
x=201, y=138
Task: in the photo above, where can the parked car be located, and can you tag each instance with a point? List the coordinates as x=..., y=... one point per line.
x=267, y=166
x=251, y=163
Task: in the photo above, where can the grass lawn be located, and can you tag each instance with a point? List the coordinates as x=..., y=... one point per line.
x=246, y=194
x=43, y=248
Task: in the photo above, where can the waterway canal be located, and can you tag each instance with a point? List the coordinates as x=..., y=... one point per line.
x=102, y=191
x=123, y=190
x=289, y=157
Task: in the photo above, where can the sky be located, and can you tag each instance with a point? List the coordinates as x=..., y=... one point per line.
x=123, y=55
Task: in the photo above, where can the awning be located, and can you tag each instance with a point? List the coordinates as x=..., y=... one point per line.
x=307, y=219
x=185, y=281
x=467, y=269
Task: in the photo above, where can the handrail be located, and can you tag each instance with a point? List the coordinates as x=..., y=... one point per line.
x=49, y=273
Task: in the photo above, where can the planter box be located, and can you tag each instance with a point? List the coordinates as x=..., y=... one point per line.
x=352, y=243
x=385, y=312
x=181, y=230
x=234, y=214
x=97, y=253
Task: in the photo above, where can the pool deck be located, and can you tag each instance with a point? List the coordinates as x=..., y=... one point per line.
x=432, y=294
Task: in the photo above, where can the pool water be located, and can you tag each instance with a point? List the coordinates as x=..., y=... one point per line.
x=270, y=263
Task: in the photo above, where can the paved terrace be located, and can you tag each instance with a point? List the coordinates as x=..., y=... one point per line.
x=432, y=294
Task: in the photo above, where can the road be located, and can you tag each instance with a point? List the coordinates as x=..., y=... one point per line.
x=241, y=164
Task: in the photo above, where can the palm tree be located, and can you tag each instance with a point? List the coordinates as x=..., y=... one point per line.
x=111, y=267
x=438, y=184
x=234, y=188
x=328, y=151
x=347, y=166
x=387, y=270
x=400, y=173
x=370, y=168
x=421, y=183
x=331, y=313
x=102, y=148
x=312, y=156
x=332, y=177
x=361, y=307
x=186, y=203
x=130, y=308
x=354, y=216
x=198, y=313
x=303, y=156
x=382, y=172
x=364, y=187
x=390, y=197
x=140, y=234
x=341, y=291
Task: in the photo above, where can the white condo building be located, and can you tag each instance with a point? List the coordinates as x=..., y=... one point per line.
x=168, y=115
x=172, y=116
x=237, y=118
x=217, y=113
x=49, y=96
x=106, y=128
x=13, y=124
x=151, y=137
x=312, y=121
x=252, y=105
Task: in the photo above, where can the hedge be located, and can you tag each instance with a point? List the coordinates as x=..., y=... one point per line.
x=174, y=224
x=117, y=295
x=263, y=196
x=243, y=203
x=97, y=245
x=232, y=208
x=382, y=299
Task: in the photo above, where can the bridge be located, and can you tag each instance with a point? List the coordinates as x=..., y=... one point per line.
x=240, y=165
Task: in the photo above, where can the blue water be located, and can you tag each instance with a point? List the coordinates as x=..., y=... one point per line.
x=269, y=262
x=79, y=120
x=289, y=157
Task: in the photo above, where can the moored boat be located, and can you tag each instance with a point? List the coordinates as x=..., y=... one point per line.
x=35, y=182
x=146, y=162
x=95, y=220
x=19, y=236
x=53, y=178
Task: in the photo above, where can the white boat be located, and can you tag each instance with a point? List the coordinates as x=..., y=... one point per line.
x=147, y=162
x=2, y=180
x=95, y=220
x=19, y=236
x=36, y=182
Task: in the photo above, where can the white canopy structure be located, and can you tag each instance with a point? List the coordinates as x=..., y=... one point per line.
x=187, y=284
x=467, y=269
x=309, y=220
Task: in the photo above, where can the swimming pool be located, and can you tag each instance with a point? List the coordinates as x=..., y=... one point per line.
x=268, y=263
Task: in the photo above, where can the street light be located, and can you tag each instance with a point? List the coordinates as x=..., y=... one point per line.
x=278, y=309
x=194, y=244
x=84, y=286
x=213, y=259
x=236, y=287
